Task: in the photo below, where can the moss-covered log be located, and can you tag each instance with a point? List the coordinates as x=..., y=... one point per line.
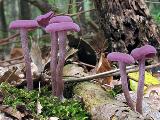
x=101, y=106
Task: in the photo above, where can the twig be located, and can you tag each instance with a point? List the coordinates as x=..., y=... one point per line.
x=106, y=74
x=9, y=60
x=99, y=74
x=13, y=64
x=76, y=3
x=94, y=25
x=75, y=14
x=11, y=75
x=85, y=64
x=10, y=42
x=70, y=76
x=7, y=39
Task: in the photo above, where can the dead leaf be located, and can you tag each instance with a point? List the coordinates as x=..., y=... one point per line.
x=73, y=70
x=98, y=42
x=16, y=52
x=71, y=52
x=152, y=90
x=12, y=112
x=104, y=66
x=150, y=105
x=3, y=117
x=23, y=110
x=10, y=77
x=36, y=56
x=3, y=70
x=39, y=107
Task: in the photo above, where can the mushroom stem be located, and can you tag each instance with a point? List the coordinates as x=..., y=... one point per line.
x=140, y=85
x=124, y=81
x=24, y=41
x=53, y=64
x=61, y=61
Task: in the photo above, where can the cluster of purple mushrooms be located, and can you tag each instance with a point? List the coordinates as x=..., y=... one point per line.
x=57, y=26
x=139, y=55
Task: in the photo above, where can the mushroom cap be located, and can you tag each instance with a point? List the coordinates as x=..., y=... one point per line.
x=58, y=19
x=43, y=20
x=147, y=51
x=28, y=24
x=63, y=26
x=120, y=57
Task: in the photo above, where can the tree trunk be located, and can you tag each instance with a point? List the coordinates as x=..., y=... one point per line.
x=25, y=10
x=14, y=9
x=3, y=25
x=126, y=24
x=43, y=5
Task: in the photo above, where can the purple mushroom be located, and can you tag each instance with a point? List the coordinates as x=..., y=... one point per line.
x=58, y=19
x=140, y=54
x=61, y=29
x=54, y=49
x=23, y=26
x=122, y=60
x=43, y=20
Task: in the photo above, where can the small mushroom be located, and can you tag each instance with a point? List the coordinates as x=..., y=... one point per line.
x=122, y=60
x=140, y=54
x=43, y=20
x=61, y=29
x=23, y=26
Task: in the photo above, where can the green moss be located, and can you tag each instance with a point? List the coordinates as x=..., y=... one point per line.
x=51, y=106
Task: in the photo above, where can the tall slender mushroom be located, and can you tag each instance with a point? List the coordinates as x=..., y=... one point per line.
x=54, y=48
x=61, y=29
x=23, y=26
x=140, y=54
x=122, y=60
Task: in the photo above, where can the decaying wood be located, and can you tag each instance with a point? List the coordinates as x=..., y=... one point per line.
x=101, y=106
x=150, y=103
x=126, y=24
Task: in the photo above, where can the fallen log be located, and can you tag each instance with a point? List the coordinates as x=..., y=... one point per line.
x=101, y=106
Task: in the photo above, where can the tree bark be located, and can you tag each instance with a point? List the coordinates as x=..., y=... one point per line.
x=3, y=25
x=127, y=24
x=25, y=10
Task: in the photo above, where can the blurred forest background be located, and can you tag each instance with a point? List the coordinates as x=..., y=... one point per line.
x=82, y=11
